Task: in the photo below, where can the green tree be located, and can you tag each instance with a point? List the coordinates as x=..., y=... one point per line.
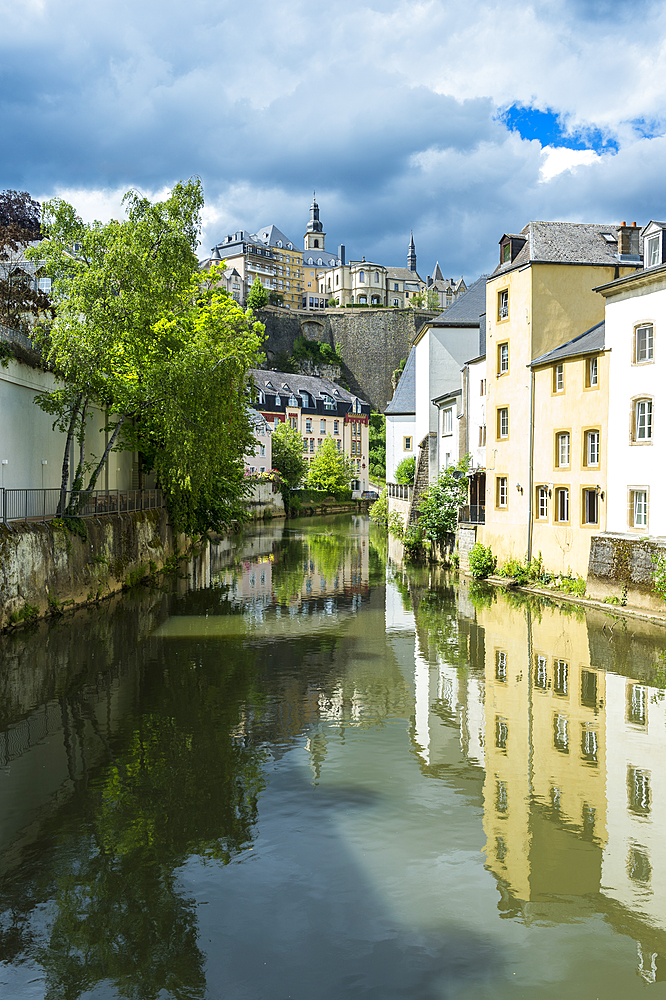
x=274, y=298
x=258, y=296
x=377, y=449
x=141, y=334
x=432, y=300
x=287, y=451
x=438, y=509
x=330, y=470
x=20, y=302
x=404, y=473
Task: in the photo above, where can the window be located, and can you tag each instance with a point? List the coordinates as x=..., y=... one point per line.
x=501, y=797
x=589, y=744
x=558, y=378
x=643, y=420
x=395, y=286
x=362, y=299
x=638, y=508
x=506, y=253
x=44, y=285
x=407, y=443
x=396, y=302
x=541, y=673
x=502, y=499
x=292, y=400
x=592, y=448
x=503, y=304
x=561, y=733
x=483, y=387
x=503, y=422
x=262, y=451
x=561, y=678
x=644, y=344
x=637, y=704
x=278, y=401
x=563, y=449
x=447, y=421
x=322, y=426
x=305, y=444
x=293, y=421
x=308, y=426
x=501, y=733
x=502, y=359
x=542, y=502
x=590, y=507
x=562, y=507
x=652, y=250
x=588, y=688
x=500, y=665
x=376, y=277
x=316, y=243
x=318, y=443
x=339, y=444
x=311, y=444
x=482, y=436
x=336, y=426
x=361, y=276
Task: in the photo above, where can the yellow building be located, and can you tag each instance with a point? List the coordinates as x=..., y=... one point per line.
x=539, y=298
x=268, y=255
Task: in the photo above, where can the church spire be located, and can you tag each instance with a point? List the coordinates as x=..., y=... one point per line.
x=411, y=253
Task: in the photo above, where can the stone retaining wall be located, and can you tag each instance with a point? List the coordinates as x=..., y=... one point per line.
x=619, y=561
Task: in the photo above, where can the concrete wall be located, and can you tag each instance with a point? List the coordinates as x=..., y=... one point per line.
x=39, y=562
x=622, y=560
x=468, y=535
x=372, y=342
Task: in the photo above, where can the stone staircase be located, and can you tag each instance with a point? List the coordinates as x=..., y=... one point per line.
x=421, y=479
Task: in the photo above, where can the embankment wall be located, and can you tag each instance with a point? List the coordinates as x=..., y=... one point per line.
x=42, y=565
x=622, y=561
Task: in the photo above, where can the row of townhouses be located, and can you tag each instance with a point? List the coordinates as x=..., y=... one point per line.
x=313, y=277
x=546, y=373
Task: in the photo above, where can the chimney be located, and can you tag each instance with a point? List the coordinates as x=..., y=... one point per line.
x=627, y=240
x=341, y=253
x=429, y=281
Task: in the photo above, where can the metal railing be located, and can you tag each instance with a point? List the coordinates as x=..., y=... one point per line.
x=42, y=505
x=472, y=514
x=399, y=492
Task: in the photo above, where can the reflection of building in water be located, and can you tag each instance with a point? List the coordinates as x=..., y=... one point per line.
x=574, y=796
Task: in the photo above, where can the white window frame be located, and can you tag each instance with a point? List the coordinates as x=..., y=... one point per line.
x=592, y=442
x=502, y=492
x=651, y=254
x=503, y=358
x=640, y=508
x=587, y=493
x=542, y=503
x=643, y=419
x=447, y=421
x=563, y=505
x=559, y=378
x=563, y=450
x=644, y=337
x=594, y=371
x=503, y=423
x=503, y=304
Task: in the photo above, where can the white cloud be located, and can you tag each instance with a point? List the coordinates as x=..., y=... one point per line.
x=556, y=159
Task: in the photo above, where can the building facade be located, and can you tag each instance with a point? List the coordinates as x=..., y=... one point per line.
x=317, y=408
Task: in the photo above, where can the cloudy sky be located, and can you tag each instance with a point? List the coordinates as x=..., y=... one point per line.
x=460, y=121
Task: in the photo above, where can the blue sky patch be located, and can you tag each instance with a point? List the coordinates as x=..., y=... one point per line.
x=548, y=127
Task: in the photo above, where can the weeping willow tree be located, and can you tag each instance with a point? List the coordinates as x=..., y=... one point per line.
x=160, y=347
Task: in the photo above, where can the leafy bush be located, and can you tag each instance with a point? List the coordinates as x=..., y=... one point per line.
x=412, y=539
x=404, y=474
x=659, y=575
x=438, y=510
x=379, y=509
x=396, y=525
x=571, y=584
x=330, y=469
x=481, y=561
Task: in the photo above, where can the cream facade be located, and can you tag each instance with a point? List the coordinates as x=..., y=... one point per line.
x=533, y=305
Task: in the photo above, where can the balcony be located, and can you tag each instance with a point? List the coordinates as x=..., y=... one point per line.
x=472, y=514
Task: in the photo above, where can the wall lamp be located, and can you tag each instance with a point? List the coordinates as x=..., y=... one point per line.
x=600, y=492
x=519, y=487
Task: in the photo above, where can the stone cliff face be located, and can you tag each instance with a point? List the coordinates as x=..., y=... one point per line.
x=372, y=342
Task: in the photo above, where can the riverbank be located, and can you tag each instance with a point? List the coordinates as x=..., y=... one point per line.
x=49, y=566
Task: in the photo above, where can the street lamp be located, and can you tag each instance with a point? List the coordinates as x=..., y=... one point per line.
x=5, y=462
x=44, y=462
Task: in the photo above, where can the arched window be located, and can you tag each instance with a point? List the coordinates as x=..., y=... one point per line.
x=361, y=276
x=278, y=401
x=279, y=243
x=376, y=277
x=642, y=420
x=363, y=300
x=337, y=279
x=316, y=243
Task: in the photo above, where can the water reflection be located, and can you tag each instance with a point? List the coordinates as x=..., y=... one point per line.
x=194, y=775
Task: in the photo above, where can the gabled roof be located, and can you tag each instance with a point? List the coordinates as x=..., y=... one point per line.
x=437, y=273
x=467, y=308
x=404, y=397
x=403, y=273
x=313, y=384
x=565, y=243
x=590, y=342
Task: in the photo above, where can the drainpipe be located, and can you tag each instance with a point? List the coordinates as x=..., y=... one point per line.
x=531, y=469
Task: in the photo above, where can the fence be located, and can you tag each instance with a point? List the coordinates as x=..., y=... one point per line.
x=41, y=505
x=472, y=514
x=399, y=492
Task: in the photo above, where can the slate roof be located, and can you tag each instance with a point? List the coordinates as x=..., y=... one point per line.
x=591, y=341
x=272, y=235
x=467, y=308
x=566, y=243
x=404, y=397
x=402, y=273
x=437, y=273
x=310, y=383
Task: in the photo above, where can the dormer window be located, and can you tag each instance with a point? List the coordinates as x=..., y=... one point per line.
x=506, y=253
x=278, y=401
x=289, y=246
x=279, y=243
x=652, y=250
x=260, y=397
x=292, y=401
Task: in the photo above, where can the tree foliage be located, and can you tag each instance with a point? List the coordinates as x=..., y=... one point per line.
x=377, y=445
x=330, y=470
x=287, y=451
x=142, y=334
x=404, y=473
x=21, y=300
x=438, y=509
x=258, y=296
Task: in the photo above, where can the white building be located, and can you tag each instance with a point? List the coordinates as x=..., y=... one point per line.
x=261, y=459
x=635, y=308
x=401, y=420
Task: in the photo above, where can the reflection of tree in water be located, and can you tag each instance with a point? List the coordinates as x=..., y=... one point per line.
x=180, y=779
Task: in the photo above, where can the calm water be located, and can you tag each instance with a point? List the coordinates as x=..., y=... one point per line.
x=310, y=773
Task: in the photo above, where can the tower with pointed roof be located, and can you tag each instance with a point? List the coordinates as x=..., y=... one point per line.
x=315, y=237
x=411, y=253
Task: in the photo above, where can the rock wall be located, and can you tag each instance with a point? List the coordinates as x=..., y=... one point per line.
x=622, y=567
x=372, y=342
x=42, y=565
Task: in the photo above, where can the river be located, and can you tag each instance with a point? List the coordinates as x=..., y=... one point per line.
x=304, y=770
